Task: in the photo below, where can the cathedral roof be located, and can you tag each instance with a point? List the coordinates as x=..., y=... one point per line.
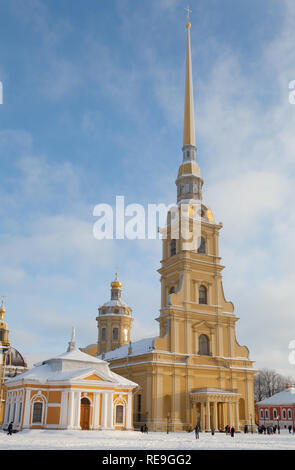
x=137, y=348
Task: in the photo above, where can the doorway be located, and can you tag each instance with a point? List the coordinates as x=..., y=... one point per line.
x=85, y=414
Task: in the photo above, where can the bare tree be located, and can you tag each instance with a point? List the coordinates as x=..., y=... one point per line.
x=268, y=382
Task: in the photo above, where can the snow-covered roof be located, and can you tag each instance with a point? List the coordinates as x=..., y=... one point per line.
x=71, y=366
x=77, y=355
x=286, y=397
x=142, y=346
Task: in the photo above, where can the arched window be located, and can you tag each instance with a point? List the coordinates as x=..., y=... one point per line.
x=103, y=334
x=202, y=295
x=202, y=246
x=37, y=412
x=284, y=414
x=261, y=413
x=119, y=414
x=275, y=414
x=204, y=345
x=289, y=414
x=266, y=414
x=173, y=247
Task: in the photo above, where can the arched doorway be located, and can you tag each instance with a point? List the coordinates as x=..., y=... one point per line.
x=85, y=413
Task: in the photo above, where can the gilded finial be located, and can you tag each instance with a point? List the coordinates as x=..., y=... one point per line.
x=2, y=308
x=187, y=9
x=116, y=283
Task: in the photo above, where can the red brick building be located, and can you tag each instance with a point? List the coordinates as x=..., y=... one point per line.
x=278, y=409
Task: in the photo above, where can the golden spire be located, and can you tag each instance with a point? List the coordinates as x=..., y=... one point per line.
x=189, y=119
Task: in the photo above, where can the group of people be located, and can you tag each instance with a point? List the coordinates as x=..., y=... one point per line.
x=273, y=429
x=228, y=430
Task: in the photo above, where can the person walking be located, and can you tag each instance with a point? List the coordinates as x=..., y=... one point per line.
x=197, y=431
x=9, y=429
x=212, y=431
x=232, y=431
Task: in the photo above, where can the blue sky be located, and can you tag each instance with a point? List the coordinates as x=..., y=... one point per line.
x=93, y=108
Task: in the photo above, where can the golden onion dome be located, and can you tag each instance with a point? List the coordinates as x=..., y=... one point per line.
x=116, y=284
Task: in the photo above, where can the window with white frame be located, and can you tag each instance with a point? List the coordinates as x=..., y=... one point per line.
x=289, y=414
x=284, y=414
x=119, y=414
x=275, y=414
x=266, y=414
x=37, y=412
x=261, y=413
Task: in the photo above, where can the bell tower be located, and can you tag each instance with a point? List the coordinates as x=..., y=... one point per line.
x=114, y=321
x=195, y=317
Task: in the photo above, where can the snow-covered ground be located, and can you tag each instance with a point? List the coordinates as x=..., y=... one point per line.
x=122, y=440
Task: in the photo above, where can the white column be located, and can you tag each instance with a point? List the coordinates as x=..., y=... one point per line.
x=194, y=414
x=16, y=415
x=215, y=416
x=237, y=417
x=104, y=408
x=202, y=422
x=6, y=409
x=208, y=423
x=96, y=401
x=27, y=405
x=110, y=411
x=229, y=414
x=129, y=411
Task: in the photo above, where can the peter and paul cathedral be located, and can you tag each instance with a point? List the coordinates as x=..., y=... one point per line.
x=194, y=371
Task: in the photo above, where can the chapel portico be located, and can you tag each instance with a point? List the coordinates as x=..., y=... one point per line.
x=214, y=408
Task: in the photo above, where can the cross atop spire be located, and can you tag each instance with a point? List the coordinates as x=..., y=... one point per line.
x=187, y=9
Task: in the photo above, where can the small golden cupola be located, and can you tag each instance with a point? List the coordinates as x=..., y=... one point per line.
x=4, y=341
x=114, y=320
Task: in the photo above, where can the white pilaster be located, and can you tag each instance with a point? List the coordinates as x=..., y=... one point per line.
x=63, y=410
x=129, y=412
x=104, y=408
x=77, y=408
x=110, y=411
x=71, y=410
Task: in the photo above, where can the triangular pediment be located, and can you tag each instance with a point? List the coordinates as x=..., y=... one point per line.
x=202, y=324
x=92, y=376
